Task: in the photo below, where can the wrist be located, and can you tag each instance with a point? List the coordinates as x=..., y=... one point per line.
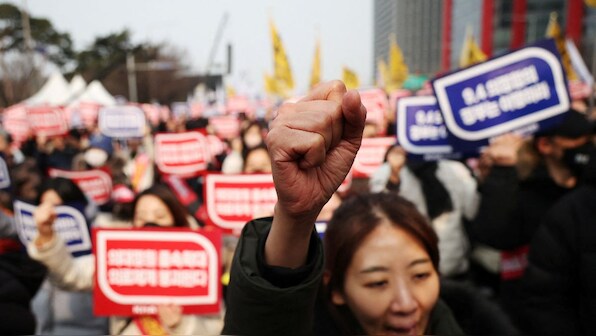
x=288, y=240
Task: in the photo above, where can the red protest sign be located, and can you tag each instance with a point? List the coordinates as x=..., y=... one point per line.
x=152, y=112
x=47, y=120
x=233, y=200
x=376, y=103
x=395, y=96
x=238, y=104
x=89, y=112
x=182, y=154
x=226, y=127
x=139, y=269
x=370, y=155
x=216, y=146
x=14, y=120
x=96, y=184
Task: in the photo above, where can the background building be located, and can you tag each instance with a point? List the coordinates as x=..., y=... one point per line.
x=431, y=33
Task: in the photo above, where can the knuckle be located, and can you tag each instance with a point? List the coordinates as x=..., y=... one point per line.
x=337, y=85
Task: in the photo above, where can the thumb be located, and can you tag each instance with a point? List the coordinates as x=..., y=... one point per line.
x=354, y=114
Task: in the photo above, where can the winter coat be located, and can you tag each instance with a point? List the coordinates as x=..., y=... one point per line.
x=264, y=300
x=559, y=286
x=20, y=278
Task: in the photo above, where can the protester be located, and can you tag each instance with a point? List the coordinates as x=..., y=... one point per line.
x=522, y=184
x=278, y=266
x=20, y=276
x=154, y=207
x=559, y=285
x=444, y=191
x=62, y=311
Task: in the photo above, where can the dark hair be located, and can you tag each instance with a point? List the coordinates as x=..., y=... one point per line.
x=389, y=149
x=65, y=188
x=245, y=155
x=167, y=196
x=357, y=217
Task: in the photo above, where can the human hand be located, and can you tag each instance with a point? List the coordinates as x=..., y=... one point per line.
x=44, y=216
x=170, y=315
x=312, y=145
x=503, y=150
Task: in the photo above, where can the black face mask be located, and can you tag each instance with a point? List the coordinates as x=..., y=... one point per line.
x=151, y=225
x=576, y=159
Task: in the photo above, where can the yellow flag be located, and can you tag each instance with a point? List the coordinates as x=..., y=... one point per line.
x=315, y=75
x=350, y=79
x=281, y=67
x=271, y=85
x=553, y=30
x=398, y=70
x=382, y=74
x=471, y=52
x=230, y=91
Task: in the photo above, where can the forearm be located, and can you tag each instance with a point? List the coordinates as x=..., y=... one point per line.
x=288, y=241
x=65, y=271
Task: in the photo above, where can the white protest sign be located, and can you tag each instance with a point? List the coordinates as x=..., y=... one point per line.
x=122, y=122
x=70, y=225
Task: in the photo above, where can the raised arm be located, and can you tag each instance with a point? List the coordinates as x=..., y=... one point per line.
x=312, y=145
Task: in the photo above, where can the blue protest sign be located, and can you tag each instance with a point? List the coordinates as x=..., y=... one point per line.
x=525, y=88
x=70, y=225
x=420, y=129
x=122, y=122
x=4, y=175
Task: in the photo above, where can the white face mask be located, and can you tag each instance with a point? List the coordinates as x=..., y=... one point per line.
x=252, y=140
x=96, y=157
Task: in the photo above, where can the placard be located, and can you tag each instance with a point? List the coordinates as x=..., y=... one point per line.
x=139, y=269
x=525, y=88
x=47, y=120
x=376, y=103
x=225, y=127
x=420, y=129
x=95, y=184
x=183, y=154
x=370, y=156
x=70, y=225
x=233, y=200
x=14, y=120
x=122, y=122
x=4, y=175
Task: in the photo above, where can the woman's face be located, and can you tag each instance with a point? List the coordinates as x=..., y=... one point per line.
x=253, y=137
x=150, y=209
x=391, y=285
x=258, y=161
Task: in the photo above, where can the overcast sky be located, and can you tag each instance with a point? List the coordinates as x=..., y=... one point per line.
x=344, y=27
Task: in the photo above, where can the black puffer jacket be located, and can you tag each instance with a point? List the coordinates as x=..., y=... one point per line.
x=559, y=285
x=20, y=278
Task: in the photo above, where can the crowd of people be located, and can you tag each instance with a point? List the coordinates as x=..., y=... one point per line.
x=499, y=244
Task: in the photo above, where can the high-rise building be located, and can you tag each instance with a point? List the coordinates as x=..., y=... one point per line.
x=431, y=32
x=416, y=26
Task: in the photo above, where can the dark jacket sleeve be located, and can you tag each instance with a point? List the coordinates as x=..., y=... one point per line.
x=550, y=284
x=497, y=223
x=258, y=307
